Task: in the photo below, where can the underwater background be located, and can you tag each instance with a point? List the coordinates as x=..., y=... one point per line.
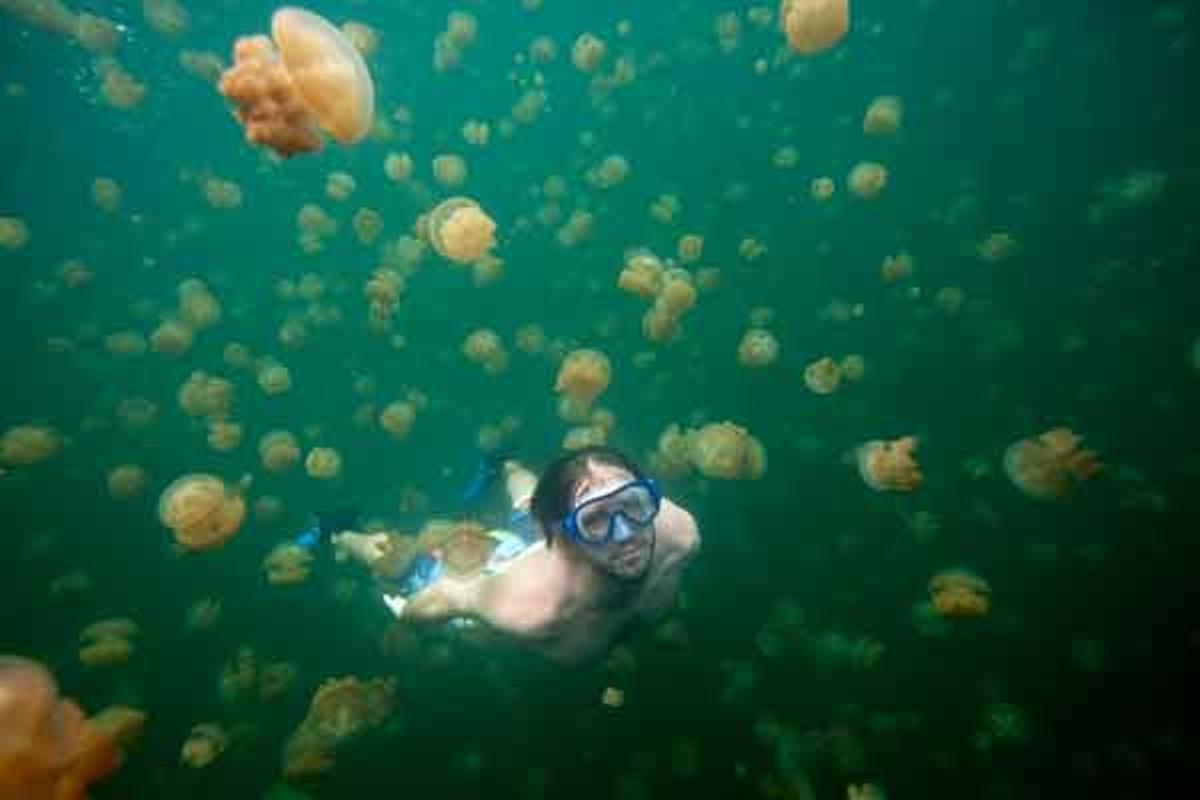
x=1042, y=189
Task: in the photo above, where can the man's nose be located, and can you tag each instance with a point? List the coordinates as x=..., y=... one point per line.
x=622, y=529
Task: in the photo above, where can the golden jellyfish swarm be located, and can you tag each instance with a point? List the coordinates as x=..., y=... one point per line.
x=279, y=451
x=323, y=463
x=126, y=481
x=726, y=451
x=1050, y=465
x=812, y=26
x=24, y=445
x=287, y=564
x=48, y=749
x=204, y=744
x=867, y=180
x=458, y=229
x=889, y=466
x=642, y=274
x=201, y=511
x=823, y=376
x=959, y=593
x=341, y=709
x=883, y=116
x=758, y=348
x=311, y=78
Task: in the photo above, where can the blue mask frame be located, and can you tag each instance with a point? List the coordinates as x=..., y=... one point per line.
x=571, y=523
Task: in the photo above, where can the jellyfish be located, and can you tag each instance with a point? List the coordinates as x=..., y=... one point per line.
x=204, y=744
x=340, y=709
x=867, y=180
x=172, y=337
x=118, y=88
x=24, y=445
x=14, y=233
x=587, y=52
x=203, y=64
x=106, y=194
x=323, y=463
x=690, y=248
x=823, y=376
x=221, y=194
x=726, y=451
x=758, y=348
x=202, y=614
x=398, y=167
x=865, y=791
x=531, y=338
x=224, y=436
x=287, y=564
x=397, y=418
x=126, y=481
x=108, y=642
x=125, y=343
x=821, y=188
x=997, y=247
x=896, y=268
x=201, y=511
x=889, y=466
x=339, y=185
x=450, y=170
x=583, y=375
x=316, y=79
x=883, y=116
x=367, y=224
x=48, y=749
x=610, y=172
x=279, y=451
x=484, y=347
x=476, y=132
x=959, y=593
x=458, y=229
x=812, y=26
x=273, y=377
x=1050, y=465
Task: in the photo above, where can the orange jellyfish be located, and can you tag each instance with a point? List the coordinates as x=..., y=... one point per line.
x=814, y=25
x=823, y=376
x=28, y=444
x=889, y=466
x=582, y=377
x=204, y=744
x=726, y=451
x=1048, y=466
x=758, y=348
x=340, y=710
x=458, y=229
x=287, y=564
x=323, y=463
x=883, y=116
x=48, y=749
x=959, y=593
x=202, y=511
x=315, y=80
x=868, y=179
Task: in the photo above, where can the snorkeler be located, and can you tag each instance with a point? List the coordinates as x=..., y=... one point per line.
x=593, y=548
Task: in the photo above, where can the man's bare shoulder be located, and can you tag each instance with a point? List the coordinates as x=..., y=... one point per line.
x=526, y=598
x=679, y=536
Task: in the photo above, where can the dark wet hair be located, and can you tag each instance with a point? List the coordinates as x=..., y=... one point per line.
x=555, y=492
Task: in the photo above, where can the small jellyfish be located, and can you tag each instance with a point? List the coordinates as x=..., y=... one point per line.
x=339, y=185
x=398, y=167
x=867, y=180
x=14, y=233
x=24, y=445
x=587, y=52
x=959, y=593
x=896, y=268
x=821, y=188
x=398, y=418
x=889, y=466
x=726, y=451
x=758, y=348
x=1050, y=465
x=126, y=481
x=279, y=451
x=997, y=247
x=450, y=170
x=323, y=463
x=583, y=375
x=883, y=116
x=812, y=26
x=316, y=79
x=106, y=194
x=201, y=511
x=823, y=376
x=204, y=744
x=484, y=347
x=458, y=229
x=287, y=564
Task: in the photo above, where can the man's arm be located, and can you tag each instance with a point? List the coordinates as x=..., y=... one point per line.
x=681, y=537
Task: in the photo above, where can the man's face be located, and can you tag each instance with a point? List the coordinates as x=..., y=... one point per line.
x=628, y=553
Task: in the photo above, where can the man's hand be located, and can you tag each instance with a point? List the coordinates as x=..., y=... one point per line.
x=365, y=547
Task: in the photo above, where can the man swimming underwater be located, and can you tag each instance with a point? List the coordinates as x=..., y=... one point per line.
x=594, y=548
